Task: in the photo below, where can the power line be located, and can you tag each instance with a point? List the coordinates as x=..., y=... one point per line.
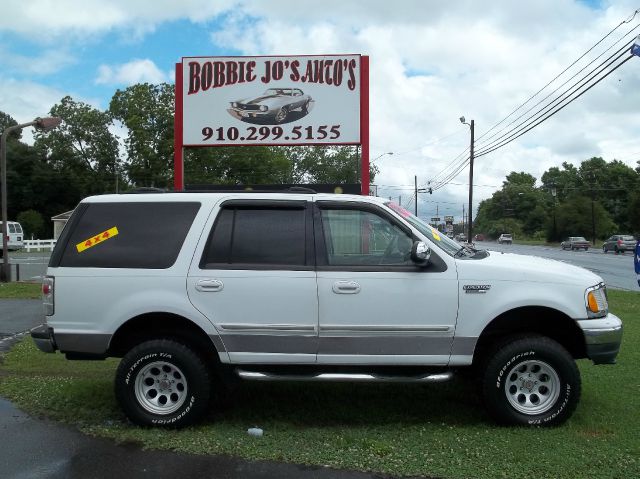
x=564, y=71
x=570, y=91
x=522, y=132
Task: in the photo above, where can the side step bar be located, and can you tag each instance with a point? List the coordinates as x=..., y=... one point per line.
x=344, y=377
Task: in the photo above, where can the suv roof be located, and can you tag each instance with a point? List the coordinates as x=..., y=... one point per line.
x=199, y=195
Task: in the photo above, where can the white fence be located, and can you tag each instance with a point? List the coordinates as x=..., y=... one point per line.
x=39, y=245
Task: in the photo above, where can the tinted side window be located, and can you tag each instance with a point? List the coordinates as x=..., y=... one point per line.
x=362, y=238
x=129, y=235
x=270, y=236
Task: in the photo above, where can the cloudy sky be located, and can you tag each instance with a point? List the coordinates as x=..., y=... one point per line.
x=431, y=62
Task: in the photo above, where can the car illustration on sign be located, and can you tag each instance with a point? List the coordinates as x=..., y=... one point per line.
x=274, y=106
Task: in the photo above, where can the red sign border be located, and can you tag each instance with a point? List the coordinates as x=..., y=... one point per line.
x=178, y=127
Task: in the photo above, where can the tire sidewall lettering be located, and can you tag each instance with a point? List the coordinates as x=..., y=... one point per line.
x=142, y=360
x=511, y=361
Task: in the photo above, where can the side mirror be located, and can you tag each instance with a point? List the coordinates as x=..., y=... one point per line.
x=420, y=253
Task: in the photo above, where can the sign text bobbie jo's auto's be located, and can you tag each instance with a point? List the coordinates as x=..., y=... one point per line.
x=271, y=100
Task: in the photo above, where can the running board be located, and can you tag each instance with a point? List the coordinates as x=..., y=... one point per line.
x=344, y=377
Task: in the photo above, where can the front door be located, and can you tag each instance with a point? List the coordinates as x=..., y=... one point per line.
x=375, y=305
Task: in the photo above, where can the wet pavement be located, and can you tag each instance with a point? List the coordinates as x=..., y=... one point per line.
x=43, y=449
x=33, y=448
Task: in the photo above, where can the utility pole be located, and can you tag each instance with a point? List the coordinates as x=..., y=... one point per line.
x=471, y=157
x=463, y=220
x=415, y=193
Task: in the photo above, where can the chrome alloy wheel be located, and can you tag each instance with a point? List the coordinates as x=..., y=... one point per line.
x=161, y=388
x=532, y=387
x=282, y=114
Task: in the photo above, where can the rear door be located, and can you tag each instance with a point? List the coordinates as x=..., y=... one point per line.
x=256, y=283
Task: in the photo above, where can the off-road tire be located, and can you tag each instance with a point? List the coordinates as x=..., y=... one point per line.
x=531, y=381
x=163, y=383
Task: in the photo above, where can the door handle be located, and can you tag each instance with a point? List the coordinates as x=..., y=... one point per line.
x=346, y=287
x=209, y=285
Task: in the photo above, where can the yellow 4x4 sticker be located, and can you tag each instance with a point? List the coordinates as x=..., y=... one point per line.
x=97, y=239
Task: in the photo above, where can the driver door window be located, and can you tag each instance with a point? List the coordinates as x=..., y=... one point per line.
x=362, y=238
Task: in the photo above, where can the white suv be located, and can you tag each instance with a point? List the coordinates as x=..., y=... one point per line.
x=189, y=288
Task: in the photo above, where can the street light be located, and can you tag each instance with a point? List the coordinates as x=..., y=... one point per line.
x=380, y=156
x=470, y=222
x=42, y=124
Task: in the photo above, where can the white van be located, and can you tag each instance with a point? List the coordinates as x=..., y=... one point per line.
x=15, y=236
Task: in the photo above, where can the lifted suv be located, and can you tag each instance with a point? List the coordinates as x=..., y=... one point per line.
x=194, y=289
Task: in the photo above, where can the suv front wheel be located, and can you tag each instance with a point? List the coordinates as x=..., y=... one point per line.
x=163, y=383
x=531, y=381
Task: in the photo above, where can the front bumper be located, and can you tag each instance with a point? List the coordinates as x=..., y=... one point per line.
x=252, y=113
x=43, y=338
x=602, y=337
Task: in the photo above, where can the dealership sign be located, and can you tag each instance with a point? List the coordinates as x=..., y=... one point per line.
x=271, y=100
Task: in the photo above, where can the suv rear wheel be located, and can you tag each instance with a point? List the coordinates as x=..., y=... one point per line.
x=163, y=383
x=531, y=381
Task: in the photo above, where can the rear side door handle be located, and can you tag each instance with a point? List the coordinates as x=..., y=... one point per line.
x=209, y=285
x=346, y=287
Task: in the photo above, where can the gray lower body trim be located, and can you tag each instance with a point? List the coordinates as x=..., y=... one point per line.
x=82, y=342
x=385, y=345
x=270, y=343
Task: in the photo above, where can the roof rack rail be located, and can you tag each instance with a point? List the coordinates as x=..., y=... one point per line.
x=145, y=189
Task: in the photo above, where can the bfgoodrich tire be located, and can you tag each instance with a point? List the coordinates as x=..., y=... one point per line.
x=531, y=381
x=163, y=383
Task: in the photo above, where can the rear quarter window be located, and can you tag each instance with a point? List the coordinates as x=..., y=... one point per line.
x=128, y=235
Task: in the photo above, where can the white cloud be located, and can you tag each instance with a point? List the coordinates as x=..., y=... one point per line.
x=135, y=71
x=54, y=19
x=432, y=62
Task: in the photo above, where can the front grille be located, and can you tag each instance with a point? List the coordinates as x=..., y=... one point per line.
x=243, y=106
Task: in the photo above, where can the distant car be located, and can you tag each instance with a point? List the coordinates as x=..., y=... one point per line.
x=505, y=238
x=461, y=237
x=15, y=236
x=478, y=237
x=575, y=242
x=274, y=104
x=619, y=244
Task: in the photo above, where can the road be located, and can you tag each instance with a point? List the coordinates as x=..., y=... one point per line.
x=616, y=270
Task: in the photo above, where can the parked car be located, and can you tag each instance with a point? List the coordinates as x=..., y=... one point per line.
x=505, y=238
x=478, y=237
x=15, y=236
x=274, y=104
x=461, y=237
x=619, y=244
x=575, y=242
x=312, y=287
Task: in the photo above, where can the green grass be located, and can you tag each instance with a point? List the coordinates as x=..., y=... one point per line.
x=20, y=290
x=435, y=430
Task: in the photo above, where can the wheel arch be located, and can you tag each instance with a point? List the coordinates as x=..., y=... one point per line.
x=537, y=320
x=156, y=325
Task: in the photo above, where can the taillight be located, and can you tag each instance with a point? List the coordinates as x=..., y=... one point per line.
x=48, y=300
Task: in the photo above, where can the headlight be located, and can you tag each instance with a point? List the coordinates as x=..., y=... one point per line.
x=234, y=104
x=263, y=108
x=596, y=301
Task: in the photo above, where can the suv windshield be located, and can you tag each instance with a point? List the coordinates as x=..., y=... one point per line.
x=438, y=238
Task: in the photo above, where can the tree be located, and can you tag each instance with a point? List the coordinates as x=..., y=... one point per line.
x=147, y=112
x=82, y=149
x=574, y=218
x=32, y=223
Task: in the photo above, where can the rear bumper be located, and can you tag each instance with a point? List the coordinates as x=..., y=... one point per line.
x=602, y=338
x=43, y=338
